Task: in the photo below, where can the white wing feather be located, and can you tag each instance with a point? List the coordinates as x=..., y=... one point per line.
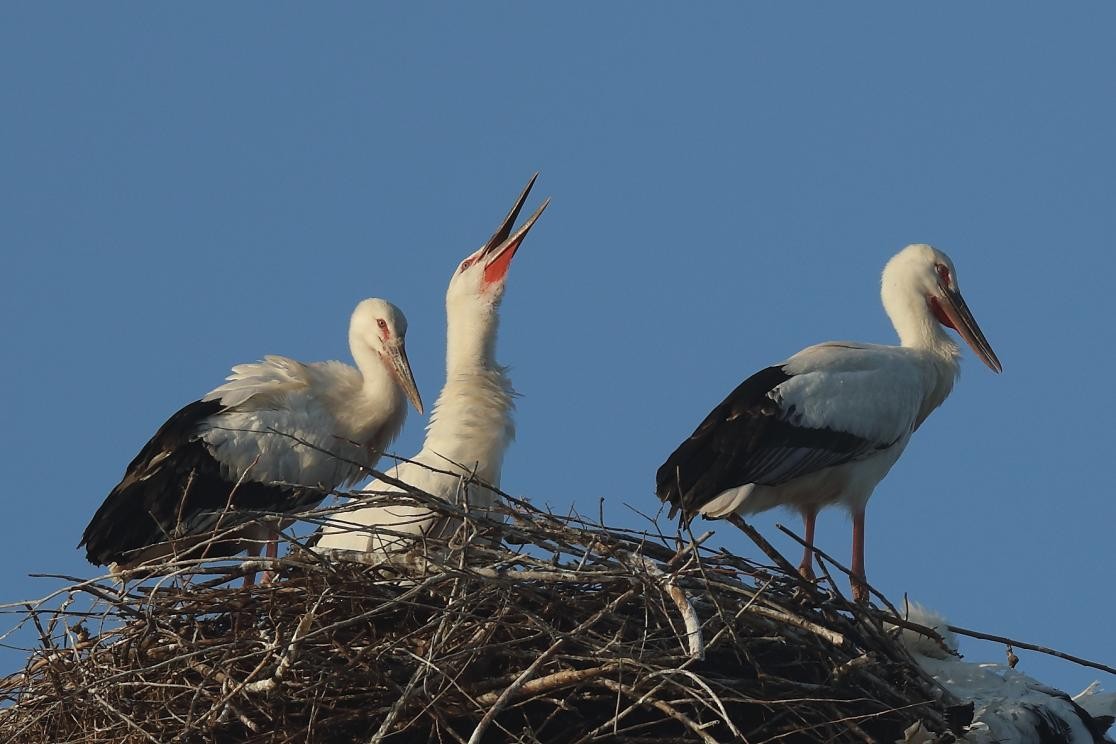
x=279, y=426
x=273, y=378
x=873, y=392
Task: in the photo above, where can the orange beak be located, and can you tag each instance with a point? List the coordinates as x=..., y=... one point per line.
x=498, y=252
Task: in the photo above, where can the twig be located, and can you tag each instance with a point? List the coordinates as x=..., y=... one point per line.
x=529, y=672
x=289, y=655
x=837, y=639
x=1031, y=647
x=694, y=641
x=662, y=706
x=551, y=682
x=122, y=716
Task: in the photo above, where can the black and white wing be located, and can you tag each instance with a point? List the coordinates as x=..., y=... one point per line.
x=178, y=490
x=828, y=405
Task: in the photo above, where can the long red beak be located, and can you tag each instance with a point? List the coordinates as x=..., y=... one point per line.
x=498, y=252
x=962, y=320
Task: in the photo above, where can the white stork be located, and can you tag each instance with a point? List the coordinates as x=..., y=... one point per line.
x=1008, y=705
x=826, y=425
x=276, y=437
x=471, y=425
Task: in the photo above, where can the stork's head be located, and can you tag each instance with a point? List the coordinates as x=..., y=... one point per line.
x=920, y=288
x=477, y=284
x=380, y=327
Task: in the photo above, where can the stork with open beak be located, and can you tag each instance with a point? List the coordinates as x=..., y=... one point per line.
x=826, y=425
x=471, y=425
x=276, y=437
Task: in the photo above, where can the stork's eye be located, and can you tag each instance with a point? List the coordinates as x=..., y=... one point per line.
x=380, y=322
x=466, y=264
x=943, y=272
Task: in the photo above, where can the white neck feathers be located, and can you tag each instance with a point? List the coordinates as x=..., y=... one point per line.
x=471, y=338
x=921, y=332
x=471, y=424
x=378, y=405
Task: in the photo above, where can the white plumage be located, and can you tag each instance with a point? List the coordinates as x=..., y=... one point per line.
x=470, y=427
x=877, y=394
x=826, y=425
x=340, y=427
x=1009, y=707
x=275, y=437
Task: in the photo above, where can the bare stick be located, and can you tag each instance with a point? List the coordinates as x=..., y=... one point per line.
x=1032, y=647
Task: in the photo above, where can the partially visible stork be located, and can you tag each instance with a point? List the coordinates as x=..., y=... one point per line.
x=276, y=437
x=471, y=425
x=826, y=425
x=1007, y=705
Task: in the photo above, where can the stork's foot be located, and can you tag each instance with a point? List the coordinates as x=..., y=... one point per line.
x=802, y=594
x=859, y=589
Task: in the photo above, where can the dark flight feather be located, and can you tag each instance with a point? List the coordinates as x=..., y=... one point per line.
x=751, y=437
x=174, y=494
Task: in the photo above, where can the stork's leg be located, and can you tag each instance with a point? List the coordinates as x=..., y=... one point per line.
x=253, y=551
x=272, y=552
x=806, y=568
x=858, y=578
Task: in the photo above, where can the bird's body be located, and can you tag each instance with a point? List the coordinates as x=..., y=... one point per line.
x=330, y=406
x=1009, y=706
x=471, y=425
x=469, y=432
x=277, y=436
x=821, y=448
x=826, y=425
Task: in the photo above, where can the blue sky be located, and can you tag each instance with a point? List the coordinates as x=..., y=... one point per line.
x=187, y=188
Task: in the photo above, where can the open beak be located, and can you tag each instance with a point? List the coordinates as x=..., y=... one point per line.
x=498, y=252
x=964, y=323
x=401, y=368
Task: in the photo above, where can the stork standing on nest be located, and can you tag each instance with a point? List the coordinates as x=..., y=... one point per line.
x=826, y=425
x=471, y=425
x=276, y=437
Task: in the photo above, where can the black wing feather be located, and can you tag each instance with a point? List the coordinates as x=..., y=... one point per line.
x=750, y=438
x=175, y=489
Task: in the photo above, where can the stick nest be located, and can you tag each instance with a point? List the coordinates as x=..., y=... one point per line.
x=536, y=628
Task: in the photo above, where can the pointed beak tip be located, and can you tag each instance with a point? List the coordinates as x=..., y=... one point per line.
x=413, y=396
x=962, y=320
x=987, y=356
x=498, y=258
x=405, y=377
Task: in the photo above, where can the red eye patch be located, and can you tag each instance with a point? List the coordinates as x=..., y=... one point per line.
x=943, y=272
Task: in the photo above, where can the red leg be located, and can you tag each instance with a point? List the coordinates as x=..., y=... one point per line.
x=272, y=552
x=806, y=568
x=858, y=579
x=253, y=551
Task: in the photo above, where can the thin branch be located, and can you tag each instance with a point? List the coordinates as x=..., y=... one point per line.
x=1031, y=647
